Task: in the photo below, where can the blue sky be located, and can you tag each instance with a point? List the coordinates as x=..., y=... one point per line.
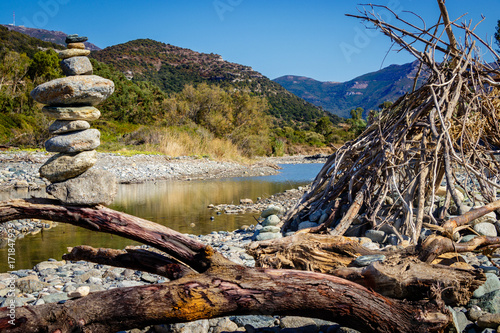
x=276, y=37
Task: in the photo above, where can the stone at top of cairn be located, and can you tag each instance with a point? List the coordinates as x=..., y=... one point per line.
x=70, y=102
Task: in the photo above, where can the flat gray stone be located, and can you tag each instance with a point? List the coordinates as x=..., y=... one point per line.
x=54, y=298
x=267, y=236
x=74, y=142
x=63, y=166
x=64, y=54
x=270, y=228
x=90, y=188
x=76, y=66
x=74, y=90
x=87, y=113
x=306, y=225
x=65, y=126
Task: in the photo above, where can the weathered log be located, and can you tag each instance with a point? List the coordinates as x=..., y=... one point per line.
x=136, y=259
x=464, y=219
x=411, y=279
x=401, y=275
x=434, y=246
x=231, y=290
x=310, y=252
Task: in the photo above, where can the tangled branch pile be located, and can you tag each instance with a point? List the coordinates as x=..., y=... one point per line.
x=445, y=133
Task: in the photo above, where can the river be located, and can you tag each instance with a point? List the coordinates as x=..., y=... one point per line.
x=180, y=205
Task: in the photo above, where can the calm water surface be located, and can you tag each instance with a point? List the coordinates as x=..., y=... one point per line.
x=179, y=205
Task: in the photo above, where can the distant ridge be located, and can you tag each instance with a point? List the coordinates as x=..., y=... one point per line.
x=367, y=91
x=171, y=68
x=57, y=37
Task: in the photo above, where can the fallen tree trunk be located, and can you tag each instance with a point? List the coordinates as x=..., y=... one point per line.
x=231, y=290
x=223, y=288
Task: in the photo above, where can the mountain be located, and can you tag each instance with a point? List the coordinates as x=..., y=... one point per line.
x=171, y=67
x=367, y=91
x=56, y=37
x=21, y=43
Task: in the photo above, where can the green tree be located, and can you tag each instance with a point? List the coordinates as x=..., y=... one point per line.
x=356, y=121
x=45, y=66
x=324, y=126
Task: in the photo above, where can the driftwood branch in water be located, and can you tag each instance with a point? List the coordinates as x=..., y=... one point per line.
x=99, y=218
x=223, y=289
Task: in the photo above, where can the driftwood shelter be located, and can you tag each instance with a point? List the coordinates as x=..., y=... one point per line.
x=447, y=127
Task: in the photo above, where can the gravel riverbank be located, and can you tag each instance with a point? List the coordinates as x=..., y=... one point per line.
x=57, y=281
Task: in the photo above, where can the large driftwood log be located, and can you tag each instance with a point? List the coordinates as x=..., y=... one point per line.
x=223, y=288
x=231, y=290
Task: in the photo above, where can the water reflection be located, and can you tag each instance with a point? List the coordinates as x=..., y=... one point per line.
x=181, y=206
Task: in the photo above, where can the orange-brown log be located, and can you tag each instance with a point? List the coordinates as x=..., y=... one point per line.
x=225, y=291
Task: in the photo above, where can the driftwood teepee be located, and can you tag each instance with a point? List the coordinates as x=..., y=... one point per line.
x=449, y=127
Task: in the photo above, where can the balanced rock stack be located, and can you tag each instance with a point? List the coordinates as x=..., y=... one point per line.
x=71, y=102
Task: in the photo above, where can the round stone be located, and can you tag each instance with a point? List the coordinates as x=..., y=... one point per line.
x=76, y=66
x=74, y=141
x=270, y=210
x=80, y=46
x=73, y=53
x=486, y=229
x=65, y=126
x=87, y=113
x=271, y=220
x=74, y=90
x=65, y=166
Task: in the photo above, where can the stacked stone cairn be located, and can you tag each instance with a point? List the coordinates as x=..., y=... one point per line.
x=268, y=229
x=71, y=102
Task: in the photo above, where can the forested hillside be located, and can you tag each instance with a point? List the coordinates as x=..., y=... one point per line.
x=167, y=99
x=171, y=68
